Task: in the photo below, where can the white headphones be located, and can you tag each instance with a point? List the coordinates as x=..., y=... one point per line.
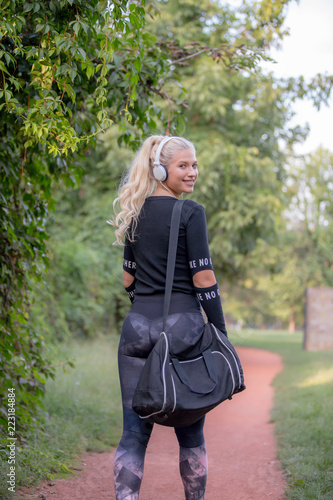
x=159, y=171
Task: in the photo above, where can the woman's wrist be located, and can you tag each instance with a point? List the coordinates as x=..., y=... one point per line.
x=131, y=290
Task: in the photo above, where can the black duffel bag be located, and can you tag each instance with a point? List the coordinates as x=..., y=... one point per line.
x=180, y=381
x=179, y=384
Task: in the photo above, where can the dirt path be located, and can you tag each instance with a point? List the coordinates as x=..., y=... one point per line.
x=240, y=445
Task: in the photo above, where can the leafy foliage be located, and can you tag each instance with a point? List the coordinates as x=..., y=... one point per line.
x=84, y=293
x=301, y=255
x=67, y=65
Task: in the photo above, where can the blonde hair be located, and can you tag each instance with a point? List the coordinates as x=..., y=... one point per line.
x=139, y=183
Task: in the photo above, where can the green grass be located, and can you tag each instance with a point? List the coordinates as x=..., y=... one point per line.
x=303, y=412
x=84, y=413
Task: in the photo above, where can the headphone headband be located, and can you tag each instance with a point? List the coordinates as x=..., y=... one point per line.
x=159, y=149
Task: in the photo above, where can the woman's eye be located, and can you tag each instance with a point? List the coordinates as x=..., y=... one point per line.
x=184, y=166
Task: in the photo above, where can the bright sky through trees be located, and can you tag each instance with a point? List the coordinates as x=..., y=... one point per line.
x=308, y=50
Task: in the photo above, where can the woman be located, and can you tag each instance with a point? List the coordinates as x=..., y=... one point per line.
x=163, y=169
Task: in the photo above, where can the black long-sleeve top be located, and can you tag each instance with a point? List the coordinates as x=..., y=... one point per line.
x=146, y=258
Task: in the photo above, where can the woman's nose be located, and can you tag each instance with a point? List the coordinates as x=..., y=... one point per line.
x=193, y=172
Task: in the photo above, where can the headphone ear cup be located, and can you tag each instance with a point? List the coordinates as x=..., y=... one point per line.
x=160, y=173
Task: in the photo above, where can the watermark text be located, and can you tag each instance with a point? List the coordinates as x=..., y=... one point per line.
x=12, y=440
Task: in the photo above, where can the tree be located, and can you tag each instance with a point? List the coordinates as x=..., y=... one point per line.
x=83, y=294
x=310, y=216
x=302, y=256
x=236, y=116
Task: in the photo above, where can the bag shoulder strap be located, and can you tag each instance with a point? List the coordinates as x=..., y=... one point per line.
x=172, y=252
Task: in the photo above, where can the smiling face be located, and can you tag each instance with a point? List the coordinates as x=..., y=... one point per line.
x=182, y=172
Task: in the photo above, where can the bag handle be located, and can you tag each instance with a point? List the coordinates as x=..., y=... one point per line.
x=172, y=252
x=209, y=363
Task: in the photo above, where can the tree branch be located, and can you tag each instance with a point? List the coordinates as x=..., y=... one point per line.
x=191, y=55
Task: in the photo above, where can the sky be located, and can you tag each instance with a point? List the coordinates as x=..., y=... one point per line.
x=308, y=50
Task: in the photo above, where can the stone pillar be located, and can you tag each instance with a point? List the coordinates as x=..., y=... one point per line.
x=318, y=329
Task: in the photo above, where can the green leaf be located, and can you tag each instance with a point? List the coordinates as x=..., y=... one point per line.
x=90, y=70
x=3, y=68
x=104, y=70
x=137, y=65
x=9, y=58
x=27, y=7
x=134, y=20
x=28, y=143
x=83, y=53
x=77, y=27
x=102, y=5
x=134, y=79
x=84, y=26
